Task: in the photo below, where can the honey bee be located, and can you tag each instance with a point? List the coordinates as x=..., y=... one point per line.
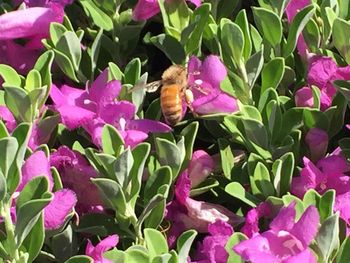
x=174, y=88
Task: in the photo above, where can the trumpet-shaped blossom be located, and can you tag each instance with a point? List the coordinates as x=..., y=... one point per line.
x=293, y=7
x=317, y=141
x=287, y=241
x=187, y=213
x=329, y=173
x=32, y=24
x=63, y=200
x=200, y=166
x=322, y=72
x=75, y=173
x=304, y=97
x=204, y=78
x=251, y=224
x=96, y=252
x=146, y=9
x=212, y=248
x=93, y=108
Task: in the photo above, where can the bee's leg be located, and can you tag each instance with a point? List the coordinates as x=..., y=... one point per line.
x=189, y=99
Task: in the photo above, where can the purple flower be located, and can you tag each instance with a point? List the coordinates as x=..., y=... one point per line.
x=63, y=201
x=93, y=108
x=8, y=119
x=96, y=253
x=251, y=225
x=200, y=166
x=75, y=174
x=187, y=213
x=212, y=249
x=146, y=9
x=317, y=141
x=292, y=9
x=304, y=98
x=204, y=80
x=322, y=72
x=328, y=173
x=287, y=241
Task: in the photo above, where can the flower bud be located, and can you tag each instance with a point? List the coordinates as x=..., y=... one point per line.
x=304, y=97
x=317, y=141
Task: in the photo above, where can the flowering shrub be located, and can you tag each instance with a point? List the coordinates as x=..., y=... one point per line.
x=254, y=168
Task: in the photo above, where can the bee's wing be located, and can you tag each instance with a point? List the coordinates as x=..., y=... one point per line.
x=150, y=87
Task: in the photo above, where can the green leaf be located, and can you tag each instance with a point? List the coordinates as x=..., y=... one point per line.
x=312, y=35
x=297, y=26
x=272, y=74
x=227, y=157
x=43, y=65
x=262, y=180
x=33, y=80
x=18, y=101
x=236, y=190
x=112, y=142
x=69, y=45
x=191, y=36
x=327, y=237
x=169, y=154
x=232, y=42
x=3, y=186
x=35, y=239
x=326, y=204
x=343, y=255
x=80, y=259
x=341, y=37
x=64, y=244
x=184, y=243
x=136, y=256
x=155, y=242
x=283, y=172
x=33, y=190
x=100, y=18
x=242, y=21
x=178, y=14
x=132, y=71
x=112, y=193
x=254, y=66
x=28, y=215
x=95, y=50
x=57, y=30
x=189, y=133
x=234, y=240
x=269, y=25
x=8, y=148
x=65, y=65
x=171, y=47
x=161, y=176
x=10, y=76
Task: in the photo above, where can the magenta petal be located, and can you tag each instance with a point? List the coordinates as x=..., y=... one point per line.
x=200, y=166
x=58, y=209
x=213, y=71
x=317, y=141
x=133, y=138
x=94, y=128
x=183, y=187
x=256, y=249
x=334, y=164
x=214, y=103
x=196, y=2
x=28, y=22
x=103, y=92
x=294, y=7
x=342, y=204
x=285, y=219
x=304, y=97
x=96, y=253
x=7, y=117
x=220, y=228
x=113, y=112
x=305, y=256
x=147, y=126
x=145, y=9
x=307, y=226
x=74, y=117
x=36, y=165
x=321, y=71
